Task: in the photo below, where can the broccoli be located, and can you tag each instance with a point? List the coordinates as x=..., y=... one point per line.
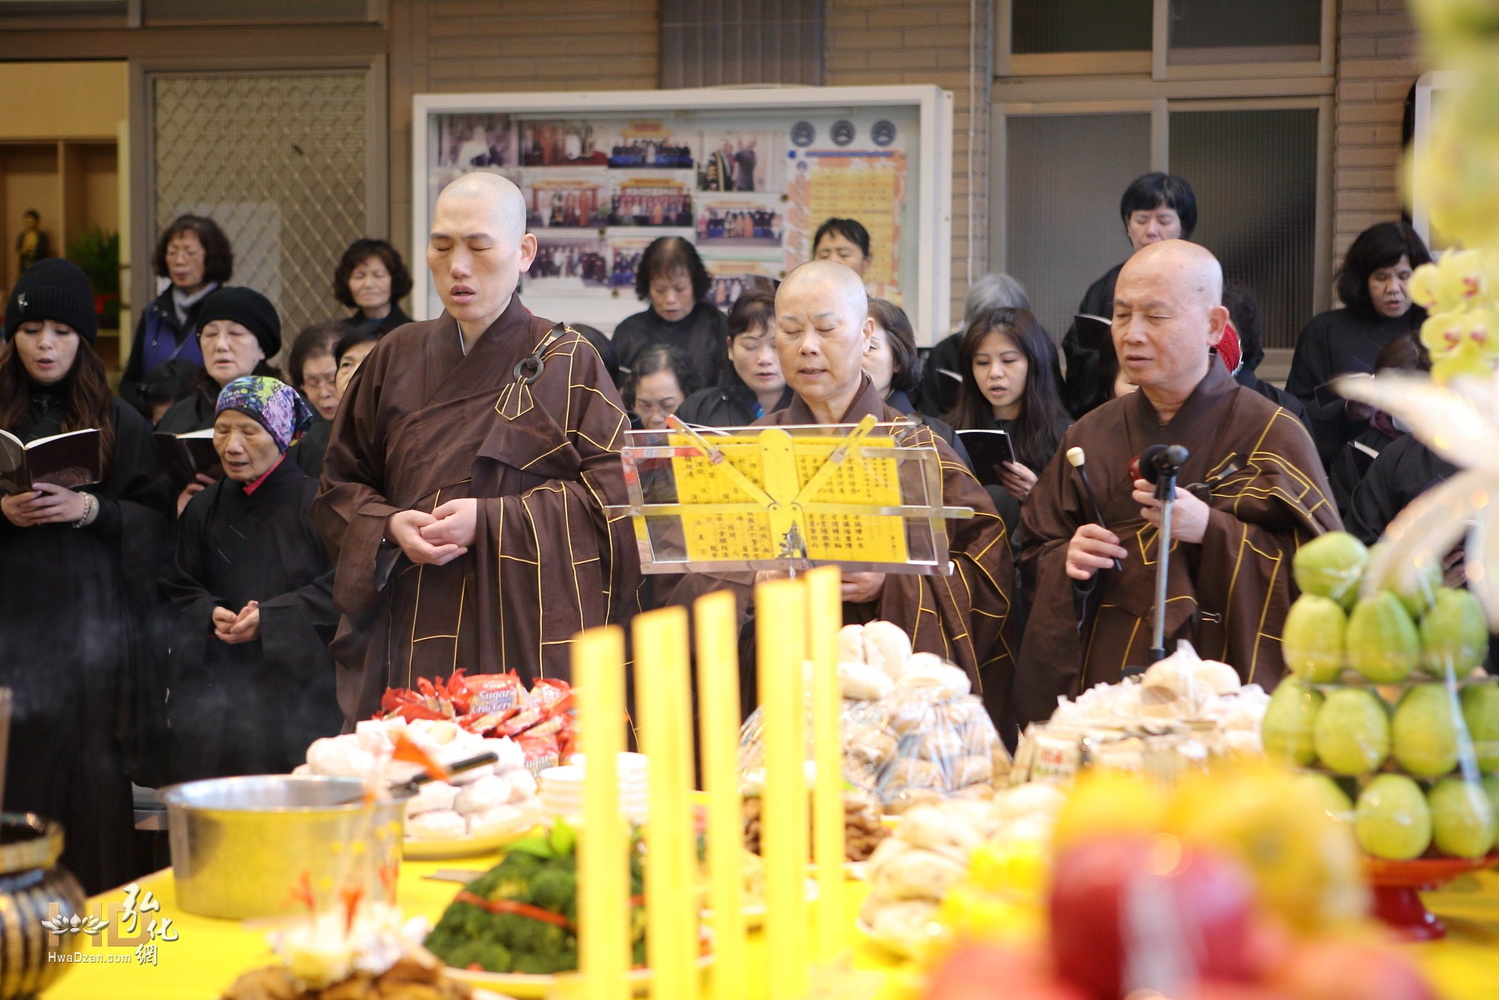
x=538, y=872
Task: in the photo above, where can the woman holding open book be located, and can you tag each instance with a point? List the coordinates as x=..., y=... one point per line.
x=1011, y=383
x=79, y=566
x=239, y=331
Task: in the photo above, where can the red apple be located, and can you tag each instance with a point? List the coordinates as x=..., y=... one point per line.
x=1133, y=913
x=1339, y=970
x=981, y=972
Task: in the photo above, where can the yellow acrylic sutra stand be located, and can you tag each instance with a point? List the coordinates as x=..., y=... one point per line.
x=863, y=497
x=799, y=622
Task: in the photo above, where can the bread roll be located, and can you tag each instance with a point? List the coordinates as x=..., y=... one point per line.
x=942, y=744
x=434, y=796
x=501, y=819
x=887, y=646
x=851, y=644
x=870, y=746
x=971, y=770
x=339, y=757
x=522, y=784
x=900, y=925
x=934, y=826
x=443, y=825
x=925, y=670
x=1219, y=678
x=906, y=799
x=917, y=874
x=913, y=772
x=489, y=792
x=862, y=682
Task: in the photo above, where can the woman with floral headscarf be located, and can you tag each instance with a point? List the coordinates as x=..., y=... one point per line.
x=251, y=679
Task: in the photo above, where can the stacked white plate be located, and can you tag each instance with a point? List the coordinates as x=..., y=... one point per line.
x=562, y=788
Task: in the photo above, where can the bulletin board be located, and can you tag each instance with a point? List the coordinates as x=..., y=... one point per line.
x=746, y=174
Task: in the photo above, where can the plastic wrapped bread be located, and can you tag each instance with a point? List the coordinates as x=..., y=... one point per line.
x=924, y=739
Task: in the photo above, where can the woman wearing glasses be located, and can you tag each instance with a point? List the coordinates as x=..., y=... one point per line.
x=240, y=332
x=194, y=254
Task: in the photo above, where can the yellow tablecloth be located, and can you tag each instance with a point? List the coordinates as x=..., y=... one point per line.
x=208, y=953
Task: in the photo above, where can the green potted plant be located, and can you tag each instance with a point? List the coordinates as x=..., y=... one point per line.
x=97, y=254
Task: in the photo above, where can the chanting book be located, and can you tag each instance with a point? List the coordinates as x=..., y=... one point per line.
x=988, y=447
x=71, y=459
x=187, y=455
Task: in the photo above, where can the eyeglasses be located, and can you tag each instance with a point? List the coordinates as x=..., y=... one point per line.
x=183, y=254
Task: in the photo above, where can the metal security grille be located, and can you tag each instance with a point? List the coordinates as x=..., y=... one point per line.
x=278, y=161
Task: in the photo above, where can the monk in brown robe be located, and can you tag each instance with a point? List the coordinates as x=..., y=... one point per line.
x=823, y=330
x=468, y=475
x=1229, y=583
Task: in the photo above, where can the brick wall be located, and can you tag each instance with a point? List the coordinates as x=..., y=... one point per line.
x=1377, y=66
x=872, y=42
x=494, y=46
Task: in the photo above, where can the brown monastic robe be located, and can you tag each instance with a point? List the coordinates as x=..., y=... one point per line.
x=961, y=617
x=421, y=424
x=1228, y=595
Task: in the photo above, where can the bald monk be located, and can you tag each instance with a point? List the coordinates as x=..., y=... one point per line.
x=1230, y=569
x=823, y=330
x=467, y=476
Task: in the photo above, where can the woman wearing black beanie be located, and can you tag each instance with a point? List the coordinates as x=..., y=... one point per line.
x=80, y=567
x=238, y=330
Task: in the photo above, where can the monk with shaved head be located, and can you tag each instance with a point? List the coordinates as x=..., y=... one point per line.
x=468, y=474
x=1252, y=490
x=822, y=331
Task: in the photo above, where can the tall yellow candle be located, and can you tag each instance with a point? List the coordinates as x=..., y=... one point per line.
x=598, y=662
x=662, y=697
x=780, y=638
x=716, y=629
x=824, y=617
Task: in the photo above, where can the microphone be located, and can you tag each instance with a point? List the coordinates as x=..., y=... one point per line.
x=1161, y=460
x=1076, y=458
x=1159, y=464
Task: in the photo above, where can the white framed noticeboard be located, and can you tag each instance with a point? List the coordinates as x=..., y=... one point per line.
x=747, y=174
x=1429, y=91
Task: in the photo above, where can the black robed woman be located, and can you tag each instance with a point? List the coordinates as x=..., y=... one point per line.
x=78, y=571
x=1374, y=285
x=251, y=677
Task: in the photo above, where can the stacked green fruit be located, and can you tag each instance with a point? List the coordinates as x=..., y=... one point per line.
x=1386, y=697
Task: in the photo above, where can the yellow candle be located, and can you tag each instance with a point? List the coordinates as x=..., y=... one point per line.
x=662, y=696
x=598, y=661
x=718, y=729
x=824, y=617
x=780, y=638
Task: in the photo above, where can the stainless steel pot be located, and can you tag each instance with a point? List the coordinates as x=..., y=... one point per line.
x=241, y=846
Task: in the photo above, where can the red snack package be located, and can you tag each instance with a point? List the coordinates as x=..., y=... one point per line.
x=553, y=695
x=491, y=693
x=541, y=752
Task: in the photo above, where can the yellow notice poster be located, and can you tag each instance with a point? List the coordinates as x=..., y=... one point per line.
x=866, y=187
x=783, y=475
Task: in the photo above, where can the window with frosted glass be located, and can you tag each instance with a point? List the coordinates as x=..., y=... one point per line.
x=1038, y=26
x=1064, y=177
x=1255, y=177
x=1231, y=31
